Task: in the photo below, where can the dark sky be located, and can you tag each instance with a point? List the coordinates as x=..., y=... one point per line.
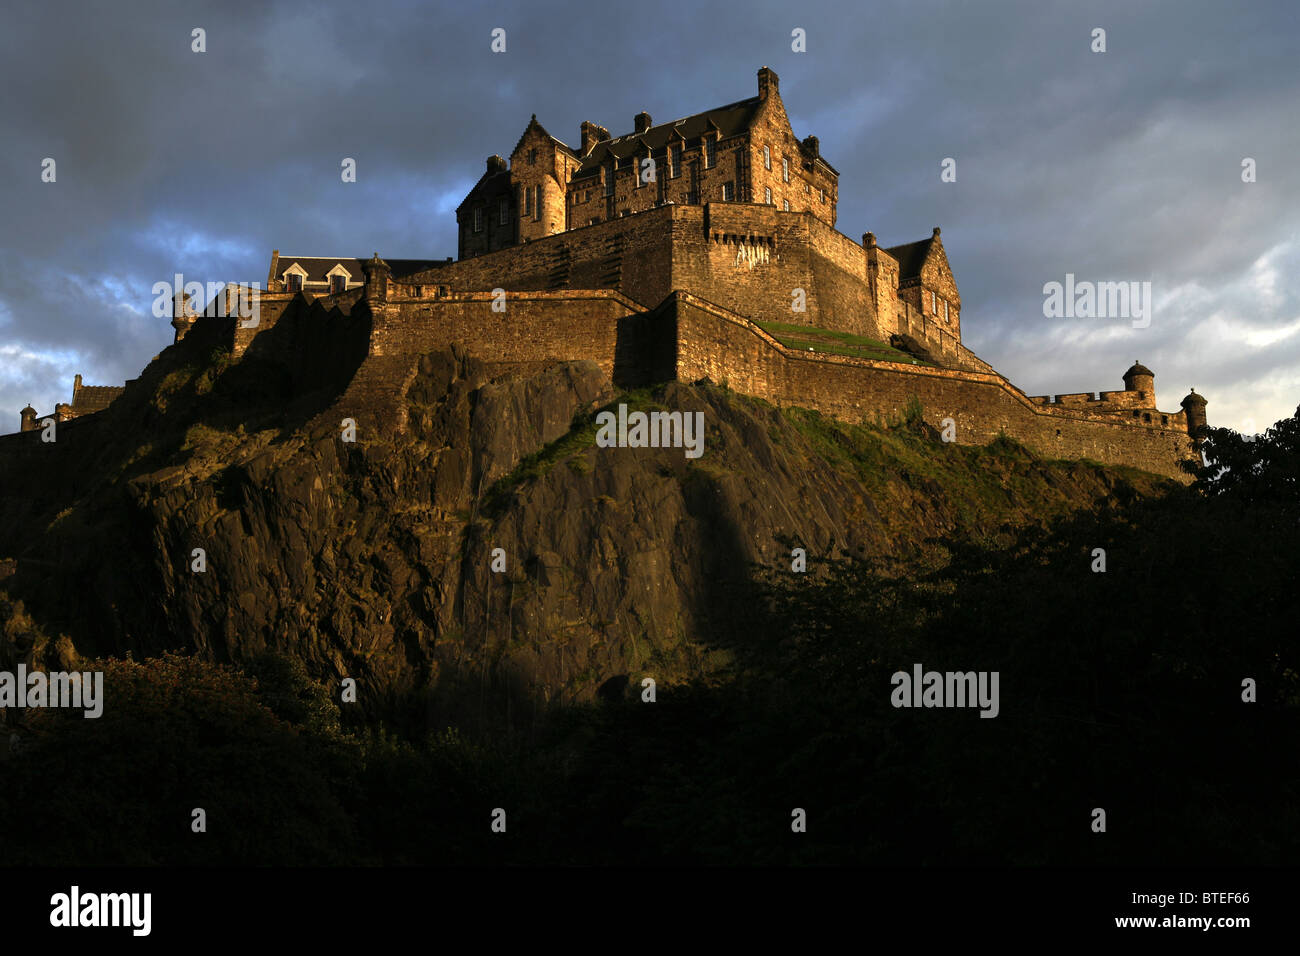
x=1115, y=166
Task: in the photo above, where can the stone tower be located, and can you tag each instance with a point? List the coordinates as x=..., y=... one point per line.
x=1142, y=381
x=1194, y=406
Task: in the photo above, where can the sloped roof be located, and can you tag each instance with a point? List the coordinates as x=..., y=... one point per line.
x=95, y=398
x=1138, y=369
x=911, y=257
x=533, y=122
x=318, y=267
x=727, y=120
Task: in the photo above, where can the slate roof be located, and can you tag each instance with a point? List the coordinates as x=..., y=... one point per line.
x=729, y=120
x=95, y=398
x=318, y=267
x=911, y=257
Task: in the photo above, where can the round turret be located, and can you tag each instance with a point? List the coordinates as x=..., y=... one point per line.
x=1194, y=407
x=28, y=417
x=1142, y=380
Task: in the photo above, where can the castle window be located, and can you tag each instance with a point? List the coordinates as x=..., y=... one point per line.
x=934, y=309
x=503, y=210
x=806, y=188
x=593, y=220
x=677, y=162
x=338, y=284
x=537, y=203
x=587, y=198
x=1146, y=417
x=293, y=282
x=728, y=192
x=767, y=196
x=710, y=153
x=532, y=157
x=609, y=180
x=478, y=218
x=1164, y=419
x=767, y=158
x=785, y=204
x=528, y=201
x=622, y=213
x=945, y=310
x=785, y=170
x=821, y=194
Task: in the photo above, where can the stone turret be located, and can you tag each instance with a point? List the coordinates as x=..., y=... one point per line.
x=28, y=418
x=377, y=275
x=1141, y=380
x=1194, y=406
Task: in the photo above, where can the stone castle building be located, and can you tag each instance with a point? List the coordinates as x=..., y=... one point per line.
x=705, y=247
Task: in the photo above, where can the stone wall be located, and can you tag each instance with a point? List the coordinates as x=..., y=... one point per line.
x=723, y=347
x=749, y=258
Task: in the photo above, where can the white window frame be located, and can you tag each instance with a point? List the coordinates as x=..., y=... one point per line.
x=767, y=158
x=767, y=195
x=478, y=219
x=785, y=169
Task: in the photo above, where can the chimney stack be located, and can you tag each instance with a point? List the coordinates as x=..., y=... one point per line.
x=642, y=121
x=591, y=135
x=768, y=82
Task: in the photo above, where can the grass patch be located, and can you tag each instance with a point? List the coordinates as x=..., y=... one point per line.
x=829, y=341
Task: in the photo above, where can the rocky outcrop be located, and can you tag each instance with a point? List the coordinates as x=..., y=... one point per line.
x=488, y=543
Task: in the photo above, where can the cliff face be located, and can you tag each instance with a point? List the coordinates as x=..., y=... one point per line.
x=374, y=559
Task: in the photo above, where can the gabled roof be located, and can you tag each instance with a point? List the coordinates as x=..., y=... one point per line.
x=532, y=123
x=318, y=267
x=728, y=120
x=911, y=257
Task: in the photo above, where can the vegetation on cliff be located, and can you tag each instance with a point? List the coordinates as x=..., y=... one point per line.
x=522, y=690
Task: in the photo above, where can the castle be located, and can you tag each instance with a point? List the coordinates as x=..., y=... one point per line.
x=701, y=248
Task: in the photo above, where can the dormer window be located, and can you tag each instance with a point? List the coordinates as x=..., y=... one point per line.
x=677, y=162
x=293, y=282
x=338, y=283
